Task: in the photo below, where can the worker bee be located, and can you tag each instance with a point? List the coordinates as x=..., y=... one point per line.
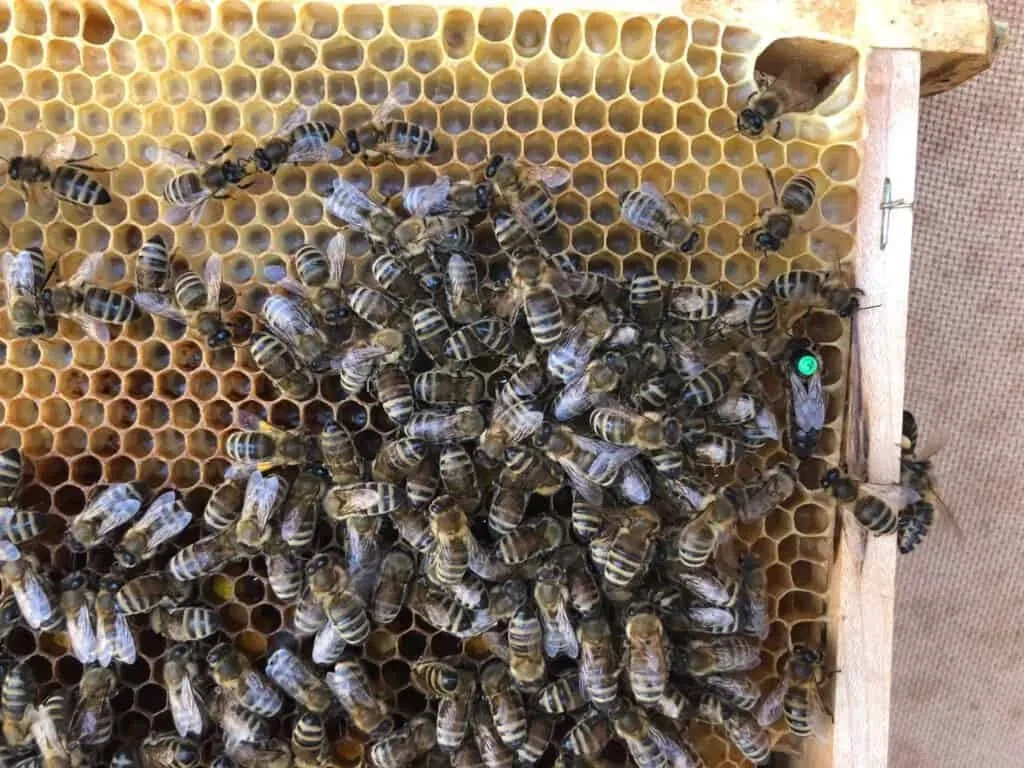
x=792, y=90
x=449, y=560
x=276, y=360
x=807, y=400
x=55, y=173
x=205, y=556
x=144, y=593
x=264, y=497
x=184, y=624
x=405, y=745
x=284, y=574
x=50, y=731
x=505, y=703
x=431, y=330
x=797, y=696
x=114, y=638
x=360, y=357
x=328, y=645
x=568, y=358
x=538, y=736
x=551, y=595
x=810, y=288
x=647, y=654
x=268, y=753
x=298, y=140
x=716, y=655
x=526, y=468
x=387, y=136
x=630, y=548
x=526, y=648
x=225, y=503
x=708, y=585
x=646, y=431
x=76, y=604
x=443, y=386
x=362, y=499
x=589, y=464
x=397, y=459
x=536, y=290
x=442, y=680
x=510, y=425
x=344, y=609
x=647, y=209
x=10, y=475
x=298, y=524
x=599, y=379
x=235, y=675
x=180, y=676
x=351, y=205
x=90, y=306
x=747, y=736
x=237, y=723
x=320, y=279
x=350, y=685
x=10, y=615
x=33, y=593
x=394, y=392
x=165, y=518
x=777, y=223
x=297, y=680
x=699, y=539
x=309, y=741
x=446, y=197
x=445, y=612
x=24, y=274
x=489, y=336
x=562, y=695
x=195, y=301
x=17, y=700
x=525, y=188
x=199, y=182
x=291, y=320
x=913, y=525
x=433, y=427
x=755, y=500
x=264, y=446
x=875, y=506
x=92, y=723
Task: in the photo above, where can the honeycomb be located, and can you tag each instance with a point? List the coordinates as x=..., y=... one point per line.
x=618, y=98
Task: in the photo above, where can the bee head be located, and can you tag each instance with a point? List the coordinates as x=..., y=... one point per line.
x=749, y=122
x=847, y=308
x=262, y=159
x=493, y=166
x=74, y=580
x=691, y=242
x=484, y=195
x=766, y=241
x=318, y=563
x=830, y=478
x=126, y=558
x=218, y=653
x=352, y=141
x=14, y=168
x=336, y=315
x=186, y=754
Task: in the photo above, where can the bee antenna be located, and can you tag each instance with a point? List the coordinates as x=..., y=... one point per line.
x=873, y=306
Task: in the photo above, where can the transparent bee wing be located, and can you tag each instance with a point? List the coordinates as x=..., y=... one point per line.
x=124, y=640
x=350, y=204
x=797, y=90
x=391, y=105
x=608, y=457
x=213, y=272
x=191, y=210
x=664, y=206
x=261, y=495
x=769, y=710
x=337, y=252
x=185, y=709
x=94, y=328
x=583, y=485
x=33, y=600
x=81, y=635
x=9, y=552
x=358, y=498
x=249, y=420
x=520, y=422
x=259, y=689
x=296, y=118
x=931, y=446
x=431, y=199
x=821, y=723
x=895, y=495
x=328, y=646
x=159, y=304
x=116, y=514
x=18, y=274
x=59, y=150
x=176, y=160
x=311, y=149
x=164, y=520
x=550, y=176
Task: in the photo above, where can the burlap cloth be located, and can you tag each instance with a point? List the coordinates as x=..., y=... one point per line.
x=958, y=666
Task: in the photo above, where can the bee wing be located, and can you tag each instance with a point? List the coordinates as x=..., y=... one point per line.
x=124, y=640
x=18, y=274
x=81, y=635
x=159, y=304
x=9, y=552
x=164, y=519
x=311, y=149
x=523, y=422
x=259, y=689
x=350, y=204
x=607, y=457
x=358, y=498
x=895, y=495
x=33, y=600
x=117, y=514
x=94, y=328
x=59, y=150
x=551, y=176
x=213, y=272
x=293, y=121
x=192, y=210
x=185, y=709
x=261, y=495
x=935, y=443
x=337, y=252
x=808, y=400
x=177, y=160
x=583, y=485
x=769, y=710
x=328, y=645
x=664, y=206
x=431, y=199
x=391, y=104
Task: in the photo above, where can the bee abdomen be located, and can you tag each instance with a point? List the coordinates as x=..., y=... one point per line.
x=184, y=188
x=798, y=194
x=311, y=265
x=108, y=306
x=544, y=315
x=705, y=388
x=249, y=446
x=78, y=187
x=876, y=516
x=796, y=708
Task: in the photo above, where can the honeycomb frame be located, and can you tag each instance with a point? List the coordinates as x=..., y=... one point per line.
x=619, y=98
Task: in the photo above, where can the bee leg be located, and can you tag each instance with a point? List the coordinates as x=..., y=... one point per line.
x=778, y=128
x=221, y=153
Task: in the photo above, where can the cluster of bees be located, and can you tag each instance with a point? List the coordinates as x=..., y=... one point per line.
x=615, y=613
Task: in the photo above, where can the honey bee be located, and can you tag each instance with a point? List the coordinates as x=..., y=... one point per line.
x=449, y=560
x=55, y=173
x=434, y=427
x=387, y=136
x=367, y=712
x=755, y=500
x=361, y=499
x=489, y=336
x=328, y=645
x=24, y=274
x=153, y=266
x=309, y=741
x=913, y=525
x=562, y=695
x=551, y=595
x=647, y=661
x=264, y=446
x=462, y=288
x=509, y=425
x=50, y=731
x=589, y=464
x=441, y=386
x=205, y=556
x=291, y=320
x=630, y=548
x=394, y=393
x=807, y=400
x=525, y=188
x=184, y=624
x=809, y=288
x=225, y=503
x=18, y=526
x=716, y=655
x=90, y=306
x=264, y=497
x=634, y=727
x=276, y=360
x=753, y=311
x=351, y=205
x=76, y=604
x=165, y=518
x=431, y=330
x=504, y=702
x=493, y=751
x=442, y=680
x=397, y=459
x=792, y=90
x=33, y=593
x=319, y=279
x=453, y=715
x=699, y=539
x=199, y=182
x=875, y=506
x=269, y=753
x=588, y=735
x=10, y=615
x=458, y=475
x=777, y=223
x=195, y=302
x=708, y=585
x=236, y=677
x=747, y=736
x=712, y=619
x=10, y=475
x=361, y=357
x=395, y=277
x=405, y=745
x=536, y=290
x=647, y=431
x=169, y=751
x=298, y=523
x=569, y=357
x=17, y=700
x=238, y=724
x=298, y=140
x=527, y=468
x=114, y=638
x=648, y=210
x=446, y=197
x=600, y=378
x=297, y=680
x=92, y=723
x=345, y=610
x=144, y=593
x=445, y=612
x=798, y=696
x=180, y=675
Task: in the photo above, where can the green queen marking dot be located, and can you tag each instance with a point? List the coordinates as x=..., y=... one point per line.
x=807, y=365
